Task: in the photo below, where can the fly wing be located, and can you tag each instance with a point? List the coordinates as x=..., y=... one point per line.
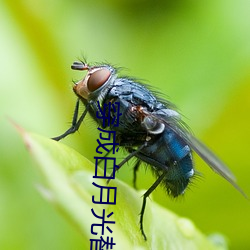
x=210, y=158
x=207, y=155
x=174, y=123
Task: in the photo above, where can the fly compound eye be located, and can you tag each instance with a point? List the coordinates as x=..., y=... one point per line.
x=97, y=79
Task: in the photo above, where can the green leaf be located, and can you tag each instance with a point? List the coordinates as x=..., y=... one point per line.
x=68, y=178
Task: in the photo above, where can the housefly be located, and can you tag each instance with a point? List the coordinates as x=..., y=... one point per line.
x=150, y=129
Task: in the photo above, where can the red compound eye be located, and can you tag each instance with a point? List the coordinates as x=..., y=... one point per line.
x=97, y=79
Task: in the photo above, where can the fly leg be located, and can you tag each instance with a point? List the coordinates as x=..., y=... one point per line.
x=145, y=196
x=127, y=158
x=136, y=167
x=75, y=123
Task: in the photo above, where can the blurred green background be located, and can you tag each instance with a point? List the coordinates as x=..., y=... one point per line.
x=195, y=52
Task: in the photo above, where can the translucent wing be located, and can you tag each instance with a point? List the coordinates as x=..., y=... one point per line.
x=175, y=124
x=208, y=156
